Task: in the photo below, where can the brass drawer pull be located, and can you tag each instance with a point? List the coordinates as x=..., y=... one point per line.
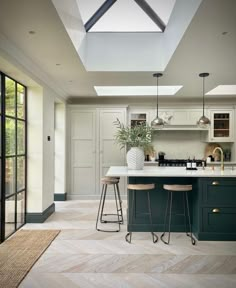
x=216, y=210
x=215, y=183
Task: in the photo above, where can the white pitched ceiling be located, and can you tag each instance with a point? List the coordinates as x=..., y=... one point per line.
x=203, y=48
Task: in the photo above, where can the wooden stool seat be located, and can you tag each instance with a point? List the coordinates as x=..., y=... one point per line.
x=178, y=187
x=173, y=188
x=109, y=180
x=141, y=188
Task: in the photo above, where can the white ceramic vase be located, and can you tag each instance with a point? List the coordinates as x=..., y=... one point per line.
x=135, y=158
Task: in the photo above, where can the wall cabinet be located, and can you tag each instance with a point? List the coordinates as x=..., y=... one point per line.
x=185, y=117
x=138, y=116
x=172, y=117
x=93, y=150
x=215, y=209
x=222, y=128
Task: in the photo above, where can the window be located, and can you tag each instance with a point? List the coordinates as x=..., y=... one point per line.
x=12, y=156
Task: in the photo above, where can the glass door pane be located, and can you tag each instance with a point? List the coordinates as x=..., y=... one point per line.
x=20, y=215
x=10, y=99
x=10, y=211
x=12, y=156
x=10, y=177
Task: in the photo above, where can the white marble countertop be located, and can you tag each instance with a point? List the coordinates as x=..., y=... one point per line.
x=154, y=171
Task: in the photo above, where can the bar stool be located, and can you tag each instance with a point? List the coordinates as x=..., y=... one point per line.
x=178, y=188
x=114, y=181
x=146, y=188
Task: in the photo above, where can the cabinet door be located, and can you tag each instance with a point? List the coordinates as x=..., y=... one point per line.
x=137, y=116
x=219, y=192
x=222, y=129
x=83, y=153
x=220, y=220
x=110, y=153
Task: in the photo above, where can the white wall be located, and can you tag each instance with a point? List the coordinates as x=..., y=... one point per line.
x=59, y=161
x=35, y=150
x=48, y=148
x=179, y=144
x=40, y=150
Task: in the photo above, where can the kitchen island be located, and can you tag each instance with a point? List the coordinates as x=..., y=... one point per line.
x=212, y=200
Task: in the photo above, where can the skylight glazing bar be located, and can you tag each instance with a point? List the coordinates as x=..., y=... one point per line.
x=98, y=14
x=151, y=13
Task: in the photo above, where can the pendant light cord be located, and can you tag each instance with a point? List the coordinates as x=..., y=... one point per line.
x=203, y=96
x=157, y=97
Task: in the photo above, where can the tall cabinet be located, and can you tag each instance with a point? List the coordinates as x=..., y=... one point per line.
x=92, y=149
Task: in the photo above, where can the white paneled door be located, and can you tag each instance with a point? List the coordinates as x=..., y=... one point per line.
x=83, y=151
x=93, y=149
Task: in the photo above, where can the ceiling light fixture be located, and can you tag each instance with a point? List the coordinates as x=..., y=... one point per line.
x=203, y=122
x=157, y=123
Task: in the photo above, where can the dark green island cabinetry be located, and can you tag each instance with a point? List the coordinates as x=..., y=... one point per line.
x=214, y=209
x=212, y=200
x=212, y=205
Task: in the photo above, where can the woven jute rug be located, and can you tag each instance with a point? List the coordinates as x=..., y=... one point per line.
x=19, y=253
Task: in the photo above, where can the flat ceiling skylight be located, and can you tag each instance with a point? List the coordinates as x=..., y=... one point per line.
x=125, y=15
x=136, y=90
x=223, y=90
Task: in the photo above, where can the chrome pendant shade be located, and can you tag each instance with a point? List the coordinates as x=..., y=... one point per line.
x=203, y=122
x=157, y=123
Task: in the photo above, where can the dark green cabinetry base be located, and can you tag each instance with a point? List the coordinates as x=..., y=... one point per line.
x=212, y=207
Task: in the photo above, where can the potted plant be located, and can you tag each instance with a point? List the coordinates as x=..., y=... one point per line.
x=136, y=139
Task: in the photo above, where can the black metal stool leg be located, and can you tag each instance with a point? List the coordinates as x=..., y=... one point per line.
x=99, y=207
x=168, y=207
x=120, y=204
x=103, y=203
x=189, y=221
x=129, y=234
x=117, y=210
x=154, y=236
x=185, y=216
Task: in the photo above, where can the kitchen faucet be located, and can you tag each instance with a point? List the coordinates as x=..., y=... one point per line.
x=221, y=157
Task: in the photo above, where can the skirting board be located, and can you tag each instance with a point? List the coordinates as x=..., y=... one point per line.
x=40, y=217
x=60, y=196
x=92, y=197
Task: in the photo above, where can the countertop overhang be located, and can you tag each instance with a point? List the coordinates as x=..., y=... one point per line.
x=150, y=171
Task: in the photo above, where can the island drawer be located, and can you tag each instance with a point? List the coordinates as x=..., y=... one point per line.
x=219, y=220
x=219, y=192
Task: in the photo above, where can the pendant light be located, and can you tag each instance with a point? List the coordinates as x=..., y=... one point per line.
x=157, y=123
x=203, y=122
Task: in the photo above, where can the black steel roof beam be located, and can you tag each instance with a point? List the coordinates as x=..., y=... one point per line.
x=98, y=14
x=151, y=13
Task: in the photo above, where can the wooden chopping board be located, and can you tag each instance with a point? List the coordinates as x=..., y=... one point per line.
x=209, y=151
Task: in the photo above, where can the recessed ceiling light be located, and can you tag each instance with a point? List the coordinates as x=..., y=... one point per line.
x=32, y=32
x=136, y=90
x=223, y=90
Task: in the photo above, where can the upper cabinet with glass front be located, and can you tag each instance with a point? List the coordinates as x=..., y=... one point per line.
x=222, y=126
x=138, y=116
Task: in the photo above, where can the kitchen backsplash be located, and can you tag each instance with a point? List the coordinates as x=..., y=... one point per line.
x=181, y=144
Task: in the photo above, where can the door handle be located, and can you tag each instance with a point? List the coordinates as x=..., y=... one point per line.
x=216, y=210
x=215, y=183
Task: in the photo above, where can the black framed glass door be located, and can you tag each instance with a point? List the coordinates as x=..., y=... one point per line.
x=13, y=156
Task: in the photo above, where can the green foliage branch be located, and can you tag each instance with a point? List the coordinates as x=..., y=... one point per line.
x=136, y=136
